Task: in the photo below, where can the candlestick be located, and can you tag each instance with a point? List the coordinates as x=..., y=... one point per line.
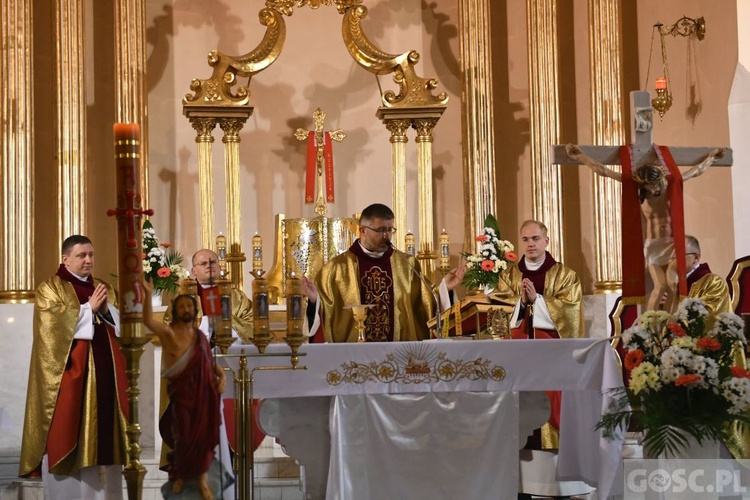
x=661, y=84
x=410, y=243
x=257, y=253
x=294, y=311
x=221, y=252
x=445, y=256
x=130, y=249
x=223, y=322
x=261, y=327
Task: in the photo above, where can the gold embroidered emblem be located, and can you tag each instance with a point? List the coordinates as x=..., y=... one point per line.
x=416, y=363
x=376, y=284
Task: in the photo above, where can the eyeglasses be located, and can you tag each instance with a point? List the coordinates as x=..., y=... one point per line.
x=206, y=263
x=390, y=231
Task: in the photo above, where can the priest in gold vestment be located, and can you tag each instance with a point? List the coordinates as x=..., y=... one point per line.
x=703, y=284
x=373, y=272
x=547, y=297
x=76, y=405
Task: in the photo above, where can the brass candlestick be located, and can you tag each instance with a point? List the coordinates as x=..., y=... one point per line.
x=294, y=315
x=261, y=326
x=360, y=315
x=223, y=322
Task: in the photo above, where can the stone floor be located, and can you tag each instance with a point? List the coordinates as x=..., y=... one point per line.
x=276, y=477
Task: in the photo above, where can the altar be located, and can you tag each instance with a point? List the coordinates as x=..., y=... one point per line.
x=435, y=416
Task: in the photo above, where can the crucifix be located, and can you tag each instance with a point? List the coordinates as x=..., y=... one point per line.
x=651, y=192
x=319, y=157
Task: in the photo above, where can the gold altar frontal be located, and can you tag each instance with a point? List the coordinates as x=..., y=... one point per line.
x=476, y=316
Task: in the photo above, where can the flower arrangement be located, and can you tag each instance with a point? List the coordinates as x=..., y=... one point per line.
x=161, y=264
x=493, y=255
x=683, y=379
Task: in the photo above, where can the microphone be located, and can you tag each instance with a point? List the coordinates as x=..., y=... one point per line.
x=426, y=282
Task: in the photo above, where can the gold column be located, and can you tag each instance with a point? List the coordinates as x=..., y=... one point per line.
x=546, y=181
x=476, y=106
x=71, y=117
x=130, y=74
x=204, y=138
x=398, y=129
x=605, y=53
x=16, y=151
x=424, y=139
x=231, y=140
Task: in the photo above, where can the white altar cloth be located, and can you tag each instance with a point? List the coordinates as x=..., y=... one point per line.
x=473, y=366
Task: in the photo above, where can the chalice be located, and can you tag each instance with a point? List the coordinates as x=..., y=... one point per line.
x=360, y=315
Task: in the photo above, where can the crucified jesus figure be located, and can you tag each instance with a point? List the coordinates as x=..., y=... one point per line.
x=653, y=195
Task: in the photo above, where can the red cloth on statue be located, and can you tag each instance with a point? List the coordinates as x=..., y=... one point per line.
x=190, y=424
x=109, y=364
x=258, y=435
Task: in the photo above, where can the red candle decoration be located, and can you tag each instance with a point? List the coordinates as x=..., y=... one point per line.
x=661, y=84
x=129, y=213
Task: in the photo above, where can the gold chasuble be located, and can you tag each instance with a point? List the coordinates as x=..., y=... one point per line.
x=402, y=303
x=562, y=295
x=712, y=289
x=561, y=289
x=76, y=402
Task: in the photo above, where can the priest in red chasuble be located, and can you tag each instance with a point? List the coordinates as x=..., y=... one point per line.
x=373, y=272
x=76, y=407
x=548, y=297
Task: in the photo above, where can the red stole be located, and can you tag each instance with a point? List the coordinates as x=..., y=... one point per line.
x=376, y=288
x=633, y=260
x=699, y=272
x=526, y=329
x=111, y=383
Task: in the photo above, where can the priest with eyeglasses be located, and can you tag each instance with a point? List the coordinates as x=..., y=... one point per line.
x=373, y=272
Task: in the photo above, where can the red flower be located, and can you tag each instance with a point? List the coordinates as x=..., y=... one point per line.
x=163, y=272
x=488, y=265
x=676, y=329
x=166, y=245
x=633, y=358
x=739, y=372
x=481, y=237
x=688, y=379
x=708, y=344
x=511, y=256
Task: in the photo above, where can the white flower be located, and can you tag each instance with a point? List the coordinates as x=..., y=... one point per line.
x=146, y=267
x=729, y=325
x=689, y=309
x=737, y=392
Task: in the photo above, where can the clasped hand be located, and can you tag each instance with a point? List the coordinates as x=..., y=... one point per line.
x=528, y=292
x=98, y=299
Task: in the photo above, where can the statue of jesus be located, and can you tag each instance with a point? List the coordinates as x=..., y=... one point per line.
x=659, y=239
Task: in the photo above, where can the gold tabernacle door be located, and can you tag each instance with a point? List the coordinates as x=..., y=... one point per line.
x=476, y=316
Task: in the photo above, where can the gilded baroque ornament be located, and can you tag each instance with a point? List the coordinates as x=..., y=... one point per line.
x=416, y=363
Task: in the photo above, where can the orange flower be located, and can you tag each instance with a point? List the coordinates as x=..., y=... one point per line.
x=163, y=272
x=688, y=379
x=633, y=358
x=166, y=245
x=488, y=265
x=481, y=237
x=708, y=344
x=511, y=256
x=739, y=372
x=676, y=329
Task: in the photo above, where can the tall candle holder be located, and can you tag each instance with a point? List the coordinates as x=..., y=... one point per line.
x=261, y=324
x=294, y=315
x=223, y=322
x=221, y=252
x=410, y=243
x=132, y=338
x=257, y=253
x=445, y=254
